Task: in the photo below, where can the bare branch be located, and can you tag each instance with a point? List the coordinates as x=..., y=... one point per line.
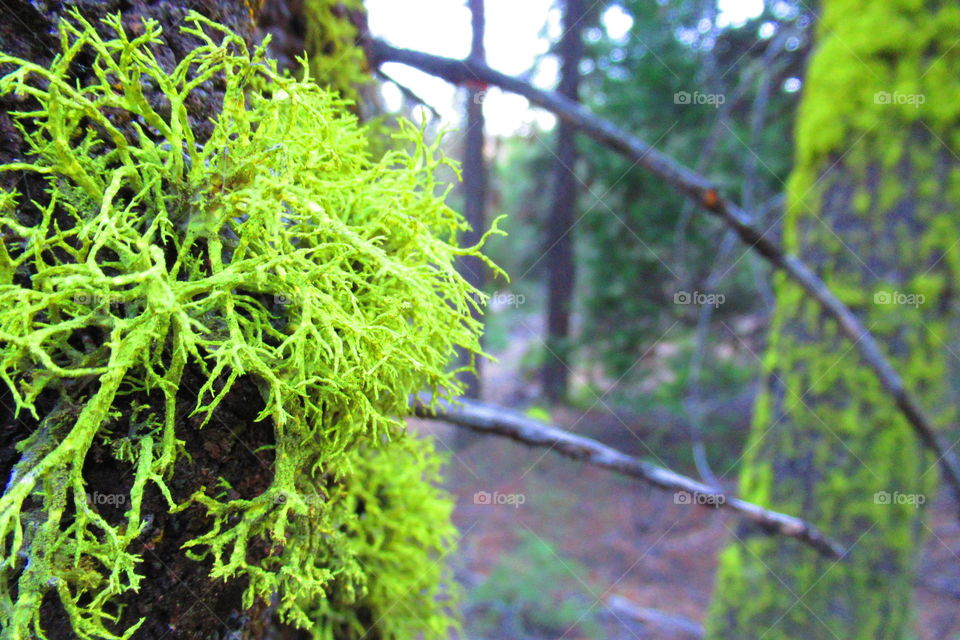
x=487, y=418
x=620, y=606
x=409, y=93
x=702, y=191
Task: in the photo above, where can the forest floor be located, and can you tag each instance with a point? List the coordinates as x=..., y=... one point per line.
x=576, y=552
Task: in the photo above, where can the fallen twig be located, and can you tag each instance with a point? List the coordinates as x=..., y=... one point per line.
x=620, y=606
x=487, y=418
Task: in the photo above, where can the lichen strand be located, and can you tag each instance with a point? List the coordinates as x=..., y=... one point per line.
x=870, y=205
x=278, y=251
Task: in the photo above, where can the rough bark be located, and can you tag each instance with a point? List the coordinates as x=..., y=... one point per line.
x=872, y=206
x=558, y=250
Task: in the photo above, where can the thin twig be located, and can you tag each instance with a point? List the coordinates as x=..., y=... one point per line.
x=703, y=192
x=409, y=93
x=487, y=418
x=676, y=624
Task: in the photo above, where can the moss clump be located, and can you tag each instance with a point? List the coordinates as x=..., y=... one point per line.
x=277, y=249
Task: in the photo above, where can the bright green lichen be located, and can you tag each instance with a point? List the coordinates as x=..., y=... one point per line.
x=277, y=249
x=871, y=205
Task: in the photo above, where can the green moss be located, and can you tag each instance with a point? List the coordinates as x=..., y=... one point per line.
x=277, y=249
x=878, y=68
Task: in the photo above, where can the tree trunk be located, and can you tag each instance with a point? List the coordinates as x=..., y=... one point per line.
x=559, y=240
x=474, y=182
x=872, y=206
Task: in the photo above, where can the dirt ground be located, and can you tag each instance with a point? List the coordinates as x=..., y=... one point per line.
x=639, y=551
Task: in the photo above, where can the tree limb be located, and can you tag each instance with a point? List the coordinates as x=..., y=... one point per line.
x=409, y=93
x=618, y=605
x=487, y=418
x=702, y=191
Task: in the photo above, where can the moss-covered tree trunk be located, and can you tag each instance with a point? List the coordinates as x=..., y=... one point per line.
x=873, y=205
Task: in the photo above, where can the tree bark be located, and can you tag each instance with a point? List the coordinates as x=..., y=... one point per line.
x=872, y=206
x=474, y=181
x=559, y=237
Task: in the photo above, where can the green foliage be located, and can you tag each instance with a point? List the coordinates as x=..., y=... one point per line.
x=527, y=200
x=539, y=413
x=533, y=591
x=720, y=377
x=277, y=249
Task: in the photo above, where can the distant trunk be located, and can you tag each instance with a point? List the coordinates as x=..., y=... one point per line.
x=474, y=183
x=559, y=246
x=873, y=206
